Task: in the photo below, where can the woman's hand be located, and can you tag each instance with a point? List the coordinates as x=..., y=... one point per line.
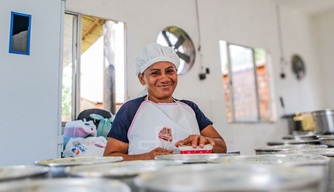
x=156, y=152
x=195, y=140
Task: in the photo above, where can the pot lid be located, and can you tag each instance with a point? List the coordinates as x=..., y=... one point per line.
x=66, y=185
x=299, y=137
x=122, y=169
x=71, y=161
x=290, y=159
x=329, y=152
x=293, y=142
x=288, y=147
x=21, y=171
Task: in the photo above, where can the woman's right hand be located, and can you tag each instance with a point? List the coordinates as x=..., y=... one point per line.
x=156, y=152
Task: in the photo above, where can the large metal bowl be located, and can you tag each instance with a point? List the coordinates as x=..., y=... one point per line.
x=329, y=152
x=58, y=166
x=231, y=178
x=282, y=148
x=65, y=185
x=304, y=160
x=124, y=171
x=22, y=171
x=192, y=158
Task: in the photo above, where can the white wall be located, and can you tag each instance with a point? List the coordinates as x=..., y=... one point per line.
x=249, y=23
x=324, y=32
x=29, y=85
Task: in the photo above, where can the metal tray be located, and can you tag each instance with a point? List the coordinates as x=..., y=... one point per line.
x=192, y=158
x=71, y=161
x=294, y=142
x=122, y=169
x=65, y=185
x=232, y=177
x=21, y=171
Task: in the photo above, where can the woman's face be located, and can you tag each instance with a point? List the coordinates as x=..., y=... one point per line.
x=160, y=80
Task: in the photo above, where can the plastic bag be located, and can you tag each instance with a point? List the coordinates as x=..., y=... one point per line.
x=79, y=129
x=104, y=126
x=79, y=147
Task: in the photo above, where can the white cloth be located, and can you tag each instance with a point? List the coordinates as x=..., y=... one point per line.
x=152, y=117
x=154, y=53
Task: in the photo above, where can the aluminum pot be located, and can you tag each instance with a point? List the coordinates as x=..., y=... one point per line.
x=65, y=185
x=231, y=177
x=294, y=142
x=57, y=166
x=124, y=171
x=282, y=148
x=301, y=160
x=324, y=121
x=16, y=172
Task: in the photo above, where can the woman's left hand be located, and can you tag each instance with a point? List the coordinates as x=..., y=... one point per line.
x=195, y=140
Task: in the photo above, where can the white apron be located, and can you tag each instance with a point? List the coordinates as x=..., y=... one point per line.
x=152, y=117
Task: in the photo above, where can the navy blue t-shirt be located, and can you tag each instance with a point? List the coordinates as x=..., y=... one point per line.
x=126, y=113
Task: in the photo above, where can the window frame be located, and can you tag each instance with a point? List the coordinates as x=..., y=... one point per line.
x=230, y=87
x=76, y=55
x=76, y=62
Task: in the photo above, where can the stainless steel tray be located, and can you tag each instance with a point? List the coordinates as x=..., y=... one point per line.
x=71, y=161
x=232, y=177
x=294, y=142
x=122, y=169
x=65, y=185
x=192, y=158
x=21, y=171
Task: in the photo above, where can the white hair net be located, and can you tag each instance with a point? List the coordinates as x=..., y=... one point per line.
x=154, y=53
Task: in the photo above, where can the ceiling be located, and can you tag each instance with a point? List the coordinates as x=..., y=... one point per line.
x=311, y=7
x=92, y=30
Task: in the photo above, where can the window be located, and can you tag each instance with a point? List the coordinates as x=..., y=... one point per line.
x=92, y=53
x=246, y=83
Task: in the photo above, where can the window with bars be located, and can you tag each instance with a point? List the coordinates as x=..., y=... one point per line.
x=246, y=83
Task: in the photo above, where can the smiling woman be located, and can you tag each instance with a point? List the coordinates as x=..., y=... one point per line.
x=160, y=80
x=135, y=130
